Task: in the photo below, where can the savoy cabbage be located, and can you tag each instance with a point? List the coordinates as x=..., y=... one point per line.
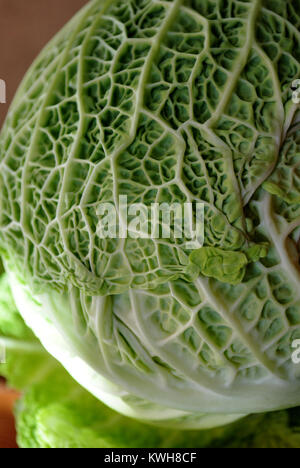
x=55, y=412
x=162, y=101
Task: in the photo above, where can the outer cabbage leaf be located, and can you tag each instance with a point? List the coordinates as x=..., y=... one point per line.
x=226, y=266
x=285, y=181
x=227, y=348
x=55, y=412
x=25, y=361
x=163, y=101
x=177, y=101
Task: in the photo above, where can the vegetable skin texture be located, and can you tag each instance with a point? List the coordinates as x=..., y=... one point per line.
x=162, y=101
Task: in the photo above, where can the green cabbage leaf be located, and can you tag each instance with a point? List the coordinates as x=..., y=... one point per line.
x=55, y=412
x=162, y=101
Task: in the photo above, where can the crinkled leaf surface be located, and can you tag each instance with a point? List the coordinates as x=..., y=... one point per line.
x=163, y=101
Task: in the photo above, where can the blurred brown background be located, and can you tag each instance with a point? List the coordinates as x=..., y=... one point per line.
x=7, y=425
x=25, y=27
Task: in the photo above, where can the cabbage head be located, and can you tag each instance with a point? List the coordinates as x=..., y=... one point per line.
x=169, y=101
